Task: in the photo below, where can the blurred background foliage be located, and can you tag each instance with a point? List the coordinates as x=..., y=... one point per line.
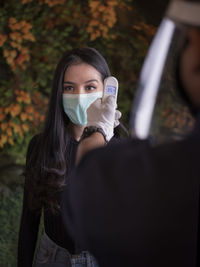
x=34, y=34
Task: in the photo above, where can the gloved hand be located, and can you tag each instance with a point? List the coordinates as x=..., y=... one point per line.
x=104, y=115
x=118, y=115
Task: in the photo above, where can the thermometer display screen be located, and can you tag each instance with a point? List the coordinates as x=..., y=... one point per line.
x=111, y=90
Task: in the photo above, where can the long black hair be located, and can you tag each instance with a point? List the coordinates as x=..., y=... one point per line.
x=46, y=167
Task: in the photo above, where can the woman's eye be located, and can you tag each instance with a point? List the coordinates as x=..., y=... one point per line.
x=90, y=88
x=68, y=89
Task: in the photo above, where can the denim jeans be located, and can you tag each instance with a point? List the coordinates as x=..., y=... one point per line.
x=51, y=255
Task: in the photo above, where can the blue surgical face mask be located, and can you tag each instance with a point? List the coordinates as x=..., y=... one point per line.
x=76, y=105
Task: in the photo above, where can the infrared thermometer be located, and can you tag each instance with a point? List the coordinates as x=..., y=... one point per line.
x=110, y=87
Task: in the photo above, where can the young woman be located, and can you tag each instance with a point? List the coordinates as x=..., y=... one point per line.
x=78, y=82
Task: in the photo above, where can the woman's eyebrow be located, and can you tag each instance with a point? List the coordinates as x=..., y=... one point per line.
x=92, y=80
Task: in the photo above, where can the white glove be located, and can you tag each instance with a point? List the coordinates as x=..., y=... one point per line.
x=104, y=115
x=118, y=115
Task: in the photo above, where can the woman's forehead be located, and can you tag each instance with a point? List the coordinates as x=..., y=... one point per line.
x=81, y=72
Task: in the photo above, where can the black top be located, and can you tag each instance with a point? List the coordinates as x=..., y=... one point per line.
x=53, y=222
x=134, y=205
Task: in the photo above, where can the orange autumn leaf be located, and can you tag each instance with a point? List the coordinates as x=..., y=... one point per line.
x=15, y=27
x=10, y=141
x=102, y=8
x=29, y=36
x=103, y=18
x=6, y=52
x=26, y=98
x=2, y=116
x=42, y=117
x=4, y=125
x=25, y=30
x=23, y=97
x=94, y=4
x=16, y=45
x=26, y=1
x=19, y=99
x=16, y=36
x=20, y=32
x=17, y=92
x=30, y=117
x=13, y=53
x=23, y=24
x=22, y=58
x=92, y=36
x=94, y=23
x=10, y=123
x=29, y=109
x=3, y=140
x=112, y=3
x=16, y=128
x=15, y=110
x=12, y=20
x=25, y=127
x=23, y=116
x=52, y=3
x=3, y=38
x=9, y=60
x=7, y=109
x=9, y=131
x=36, y=115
